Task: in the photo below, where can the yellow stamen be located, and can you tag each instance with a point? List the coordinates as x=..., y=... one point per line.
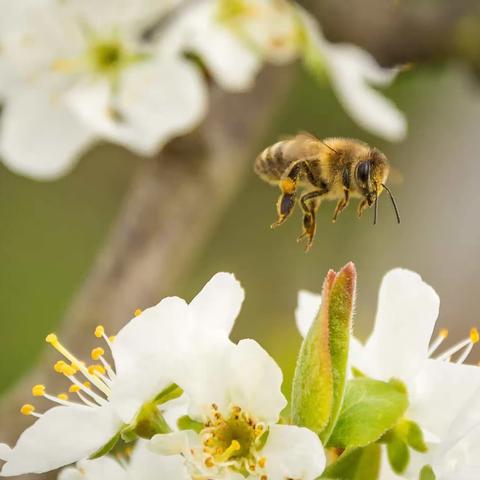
x=51, y=338
x=444, y=332
x=38, y=390
x=137, y=312
x=97, y=353
x=474, y=335
x=27, y=409
x=234, y=447
x=62, y=396
x=112, y=338
x=99, y=331
x=87, y=384
x=74, y=388
x=94, y=369
x=262, y=462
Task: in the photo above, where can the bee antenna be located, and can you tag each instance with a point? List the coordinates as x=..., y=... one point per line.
x=328, y=146
x=375, y=215
x=393, y=202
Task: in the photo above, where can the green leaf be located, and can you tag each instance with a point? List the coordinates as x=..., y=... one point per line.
x=411, y=434
x=370, y=408
x=107, y=448
x=186, y=423
x=357, y=464
x=398, y=455
x=320, y=375
x=170, y=393
x=427, y=473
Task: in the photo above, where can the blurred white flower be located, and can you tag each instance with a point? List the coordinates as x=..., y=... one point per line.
x=234, y=397
x=150, y=353
x=141, y=464
x=400, y=347
x=84, y=73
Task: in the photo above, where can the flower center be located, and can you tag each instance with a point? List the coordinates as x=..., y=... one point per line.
x=106, y=56
x=233, y=442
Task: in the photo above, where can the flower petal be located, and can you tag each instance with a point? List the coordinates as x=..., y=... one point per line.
x=156, y=101
x=174, y=443
x=104, y=468
x=233, y=65
x=442, y=391
x=255, y=381
x=145, y=353
x=293, y=452
x=61, y=436
x=5, y=451
x=218, y=304
x=146, y=465
x=308, y=305
x=39, y=137
x=406, y=316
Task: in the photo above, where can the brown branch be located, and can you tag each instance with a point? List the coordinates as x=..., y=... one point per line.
x=172, y=205
x=398, y=31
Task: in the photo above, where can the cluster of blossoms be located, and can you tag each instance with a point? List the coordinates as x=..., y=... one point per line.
x=179, y=400
x=132, y=72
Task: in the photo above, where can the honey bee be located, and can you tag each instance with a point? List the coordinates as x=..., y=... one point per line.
x=331, y=169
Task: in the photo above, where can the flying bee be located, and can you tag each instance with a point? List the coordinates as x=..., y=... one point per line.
x=331, y=169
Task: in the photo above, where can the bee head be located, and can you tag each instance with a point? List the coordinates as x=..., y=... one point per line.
x=370, y=173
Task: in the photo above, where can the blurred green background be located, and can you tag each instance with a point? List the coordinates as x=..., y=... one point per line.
x=52, y=231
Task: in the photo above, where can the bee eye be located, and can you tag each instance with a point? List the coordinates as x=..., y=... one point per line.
x=363, y=172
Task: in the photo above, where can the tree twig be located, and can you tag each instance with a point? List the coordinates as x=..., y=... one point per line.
x=173, y=202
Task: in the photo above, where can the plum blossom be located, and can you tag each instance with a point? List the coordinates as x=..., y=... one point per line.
x=141, y=464
x=401, y=347
x=85, y=73
x=149, y=354
x=235, y=400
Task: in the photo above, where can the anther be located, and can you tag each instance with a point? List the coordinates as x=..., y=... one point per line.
x=62, y=396
x=74, y=388
x=27, y=409
x=99, y=331
x=60, y=366
x=38, y=390
x=444, y=332
x=137, y=312
x=262, y=462
x=474, y=335
x=51, y=338
x=97, y=353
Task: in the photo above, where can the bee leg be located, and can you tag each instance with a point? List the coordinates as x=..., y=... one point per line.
x=341, y=205
x=362, y=206
x=285, y=205
x=309, y=212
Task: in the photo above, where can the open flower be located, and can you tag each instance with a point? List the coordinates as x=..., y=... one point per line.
x=141, y=464
x=234, y=401
x=149, y=354
x=401, y=347
x=85, y=72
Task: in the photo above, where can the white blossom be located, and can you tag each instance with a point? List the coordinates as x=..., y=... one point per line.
x=400, y=346
x=83, y=73
x=149, y=354
x=141, y=464
x=234, y=395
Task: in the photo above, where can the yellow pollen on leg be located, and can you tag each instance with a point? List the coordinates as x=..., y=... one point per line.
x=27, y=409
x=474, y=335
x=97, y=353
x=38, y=390
x=287, y=185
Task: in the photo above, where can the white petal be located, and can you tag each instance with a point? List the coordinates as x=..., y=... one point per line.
x=70, y=473
x=5, y=451
x=156, y=101
x=146, y=465
x=255, y=381
x=104, y=468
x=145, y=351
x=308, y=305
x=350, y=69
x=218, y=304
x=293, y=452
x=406, y=316
x=174, y=443
x=441, y=392
x=39, y=137
x=61, y=436
x=233, y=65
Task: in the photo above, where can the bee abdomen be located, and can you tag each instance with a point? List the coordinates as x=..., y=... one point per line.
x=272, y=162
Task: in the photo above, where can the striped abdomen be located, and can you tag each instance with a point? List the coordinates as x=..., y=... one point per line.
x=272, y=162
